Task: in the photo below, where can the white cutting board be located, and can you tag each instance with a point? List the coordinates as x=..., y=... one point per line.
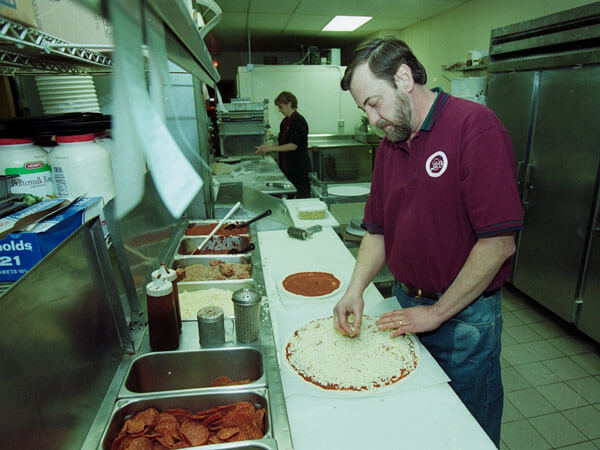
x=293, y=204
x=319, y=421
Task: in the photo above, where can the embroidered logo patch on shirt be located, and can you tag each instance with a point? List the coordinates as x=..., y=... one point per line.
x=436, y=164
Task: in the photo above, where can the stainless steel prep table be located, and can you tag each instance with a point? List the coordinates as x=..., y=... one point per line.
x=259, y=173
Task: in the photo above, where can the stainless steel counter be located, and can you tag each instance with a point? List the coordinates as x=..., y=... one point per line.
x=262, y=174
x=278, y=436
x=333, y=140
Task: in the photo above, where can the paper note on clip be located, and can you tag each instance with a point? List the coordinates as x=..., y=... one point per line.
x=140, y=130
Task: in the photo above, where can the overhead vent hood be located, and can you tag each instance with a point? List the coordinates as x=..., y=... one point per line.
x=571, y=37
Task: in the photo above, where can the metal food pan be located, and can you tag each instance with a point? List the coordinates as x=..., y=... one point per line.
x=127, y=408
x=229, y=285
x=181, y=262
x=216, y=244
x=189, y=231
x=193, y=370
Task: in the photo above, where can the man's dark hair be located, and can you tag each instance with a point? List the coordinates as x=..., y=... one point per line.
x=286, y=97
x=384, y=56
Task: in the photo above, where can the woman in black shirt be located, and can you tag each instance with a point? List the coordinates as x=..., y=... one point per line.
x=293, y=144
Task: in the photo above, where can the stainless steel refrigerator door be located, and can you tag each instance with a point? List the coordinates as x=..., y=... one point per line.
x=589, y=317
x=559, y=187
x=512, y=97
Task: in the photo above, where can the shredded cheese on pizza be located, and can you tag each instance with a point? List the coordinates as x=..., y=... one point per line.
x=326, y=358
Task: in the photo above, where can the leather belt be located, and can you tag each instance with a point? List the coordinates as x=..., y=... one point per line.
x=412, y=291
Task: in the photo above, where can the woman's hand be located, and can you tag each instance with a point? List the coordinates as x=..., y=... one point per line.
x=262, y=149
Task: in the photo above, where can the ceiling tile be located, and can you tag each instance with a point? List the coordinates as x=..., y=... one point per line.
x=232, y=20
x=233, y=6
x=274, y=6
x=341, y=7
x=304, y=22
x=273, y=22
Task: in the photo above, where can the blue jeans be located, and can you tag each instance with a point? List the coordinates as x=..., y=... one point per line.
x=468, y=348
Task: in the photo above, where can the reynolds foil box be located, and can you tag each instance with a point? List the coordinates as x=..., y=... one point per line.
x=21, y=250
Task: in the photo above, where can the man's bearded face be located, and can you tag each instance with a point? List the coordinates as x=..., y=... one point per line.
x=400, y=128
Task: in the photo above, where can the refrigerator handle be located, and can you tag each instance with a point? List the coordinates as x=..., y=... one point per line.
x=528, y=184
x=519, y=172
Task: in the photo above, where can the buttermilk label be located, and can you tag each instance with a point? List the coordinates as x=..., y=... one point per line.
x=34, y=177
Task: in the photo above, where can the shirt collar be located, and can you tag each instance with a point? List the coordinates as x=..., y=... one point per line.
x=435, y=109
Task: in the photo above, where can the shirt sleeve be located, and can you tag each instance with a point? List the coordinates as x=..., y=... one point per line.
x=488, y=182
x=373, y=218
x=298, y=132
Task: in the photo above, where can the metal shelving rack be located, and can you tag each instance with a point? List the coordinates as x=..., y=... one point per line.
x=26, y=50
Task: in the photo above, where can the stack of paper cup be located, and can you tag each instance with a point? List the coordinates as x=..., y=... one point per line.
x=67, y=93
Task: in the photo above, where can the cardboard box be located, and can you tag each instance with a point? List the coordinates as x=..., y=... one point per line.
x=19, y=11
x=71, y=21
x=20, y=251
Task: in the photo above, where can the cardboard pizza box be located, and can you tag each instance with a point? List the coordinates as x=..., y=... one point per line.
x=73, y=22
x=19, y=11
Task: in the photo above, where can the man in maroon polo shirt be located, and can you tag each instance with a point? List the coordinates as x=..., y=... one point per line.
x=442, y=213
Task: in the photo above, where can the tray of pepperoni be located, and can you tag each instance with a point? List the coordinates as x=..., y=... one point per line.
x=213, y=420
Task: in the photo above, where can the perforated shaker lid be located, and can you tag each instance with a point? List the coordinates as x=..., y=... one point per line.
x=159, y=287
x=209, y=314
x=246, y=296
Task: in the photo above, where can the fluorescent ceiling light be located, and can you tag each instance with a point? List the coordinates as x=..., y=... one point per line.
x=346, y=23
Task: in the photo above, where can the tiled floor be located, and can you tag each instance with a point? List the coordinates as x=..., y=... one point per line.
x=551, y=375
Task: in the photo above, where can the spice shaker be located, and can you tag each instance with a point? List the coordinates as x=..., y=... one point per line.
x=246, y=306
x=170, y=275
x=211, y=326
x=162, y=318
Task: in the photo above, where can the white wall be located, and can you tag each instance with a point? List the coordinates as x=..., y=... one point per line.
x=320, y=99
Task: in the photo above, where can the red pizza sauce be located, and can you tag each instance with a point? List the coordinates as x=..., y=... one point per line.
x=205, y=229
x=311, y=284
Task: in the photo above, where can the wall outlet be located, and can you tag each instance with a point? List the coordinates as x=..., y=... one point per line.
x=341, y=123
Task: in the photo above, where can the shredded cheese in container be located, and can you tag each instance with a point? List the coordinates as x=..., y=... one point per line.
x=191, y=301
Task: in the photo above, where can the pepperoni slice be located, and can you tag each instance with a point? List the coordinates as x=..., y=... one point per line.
x=148, y=416
x=140, y=443
x=195, y=432
x=226, y=433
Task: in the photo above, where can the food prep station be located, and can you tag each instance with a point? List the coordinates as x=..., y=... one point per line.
x=101, y=337
x=182, y=378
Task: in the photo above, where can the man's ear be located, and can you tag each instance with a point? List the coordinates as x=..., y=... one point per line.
x=403, y=78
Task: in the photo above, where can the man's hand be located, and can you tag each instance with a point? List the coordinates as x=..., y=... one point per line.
x=417, y=319
x=348, y=305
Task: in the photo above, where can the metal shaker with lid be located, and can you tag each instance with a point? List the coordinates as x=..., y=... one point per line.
x=246, y=305
x=211, y=326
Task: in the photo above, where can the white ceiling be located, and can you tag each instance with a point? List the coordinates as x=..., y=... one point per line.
x=286, y=25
